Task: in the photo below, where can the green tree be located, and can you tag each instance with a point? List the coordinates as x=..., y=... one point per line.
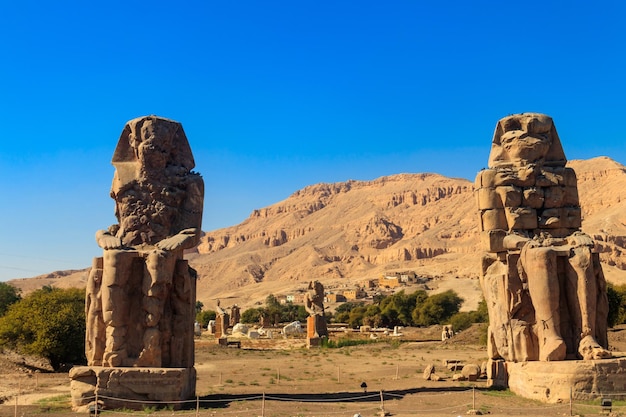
x=617, y=304
x=372, y=316
x=437, y=309
x=397, y=309
x=205, y=316
x=199, y=306
x=461, y=321
x=342, y=312
x=49, y=322
x=8, y=295
x=293, y=312
x=481, y=314
x=355, y=318
x=273, y=309
x=252, y=315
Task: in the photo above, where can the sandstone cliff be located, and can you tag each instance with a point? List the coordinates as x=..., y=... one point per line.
x=345, y=233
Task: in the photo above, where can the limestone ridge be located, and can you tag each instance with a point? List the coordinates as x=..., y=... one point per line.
x=358, y=229
x=344, y=230
x=351, y=231
x=602, y=186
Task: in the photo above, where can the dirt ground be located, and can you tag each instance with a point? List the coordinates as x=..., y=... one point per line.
x=281, y=377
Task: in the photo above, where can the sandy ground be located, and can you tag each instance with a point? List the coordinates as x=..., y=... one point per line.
x=282, y=378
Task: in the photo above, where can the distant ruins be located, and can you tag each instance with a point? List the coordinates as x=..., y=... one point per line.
x=316, y=322
x=542, y=281
x=140, y=303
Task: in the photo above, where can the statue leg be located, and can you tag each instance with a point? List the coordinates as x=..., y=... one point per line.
x=543, y=286
x=95, y=333
x=582, y=277
x=156, y=288
x=115, y=304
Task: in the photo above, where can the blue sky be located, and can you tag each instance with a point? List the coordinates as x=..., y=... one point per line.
x=278, y=95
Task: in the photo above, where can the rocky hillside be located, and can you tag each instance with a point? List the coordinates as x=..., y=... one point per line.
x=345, y=233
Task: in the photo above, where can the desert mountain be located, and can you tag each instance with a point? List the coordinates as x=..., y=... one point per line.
x=345, y=233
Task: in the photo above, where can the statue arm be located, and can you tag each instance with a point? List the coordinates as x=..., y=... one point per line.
x=106, y=240
x=190, y=220
x=514, y=242
x=184, y=239
x=578, y=239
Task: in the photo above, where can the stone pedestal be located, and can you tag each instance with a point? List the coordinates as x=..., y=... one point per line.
x=313, y=342
x=131, y=388
x=553, y=382
x=496, y=374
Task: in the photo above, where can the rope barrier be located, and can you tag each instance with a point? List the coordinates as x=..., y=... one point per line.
x=334, y=400
x=203, y=407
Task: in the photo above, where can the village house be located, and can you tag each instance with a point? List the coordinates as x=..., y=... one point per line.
x=354, y=294
x=387, y=281
x=335, y=298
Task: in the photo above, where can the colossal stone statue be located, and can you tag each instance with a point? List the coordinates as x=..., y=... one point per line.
x=314, y=305
x=542, y=282
x=145, y=290
x=141, y=294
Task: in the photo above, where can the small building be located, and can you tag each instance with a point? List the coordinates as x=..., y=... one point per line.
x=389, y=281
x=354, y=294
x=298, y=298
x=370, y=284
x=335, y=298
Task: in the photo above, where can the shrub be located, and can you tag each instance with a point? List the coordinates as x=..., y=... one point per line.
x=49, y=322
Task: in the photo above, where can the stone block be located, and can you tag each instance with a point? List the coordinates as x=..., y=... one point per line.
x=493, y=219
x=570, y=197
x=497, y=376
x=533, y=198
x=569, y=177
x=554, y=197
x=511, y=196
x=428, y=371
x=485, y=179
x=521, y=218
x=491, y=240
x=471, y=372
x=132, y=388
x=552, y=382
x=488, y=198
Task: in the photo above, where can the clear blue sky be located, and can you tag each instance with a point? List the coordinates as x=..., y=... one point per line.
x=278, y=95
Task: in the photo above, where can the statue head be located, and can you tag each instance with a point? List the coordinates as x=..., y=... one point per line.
x=525, y=139
x=148, y=146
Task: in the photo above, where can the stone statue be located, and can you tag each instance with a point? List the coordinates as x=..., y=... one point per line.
x=314, y=305
x=235, y=315
x=145, y=288
x=542, y=282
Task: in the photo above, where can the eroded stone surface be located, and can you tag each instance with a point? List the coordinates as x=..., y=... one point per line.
x=132, y=388
x=140, y=302
x=542, y=281
x=553, y=381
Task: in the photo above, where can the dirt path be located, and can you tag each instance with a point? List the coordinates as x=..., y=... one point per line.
x=282, y=378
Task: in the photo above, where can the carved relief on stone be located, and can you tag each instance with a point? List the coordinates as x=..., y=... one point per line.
x=543, y=283
x=141, y=293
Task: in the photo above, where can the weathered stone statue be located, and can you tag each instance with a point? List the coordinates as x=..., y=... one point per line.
x=314, y=305
x=542, y=282
x=141, y=294
x=147, y=289
x=235, y=315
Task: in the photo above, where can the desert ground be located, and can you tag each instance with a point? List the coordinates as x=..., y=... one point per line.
x=281, y=377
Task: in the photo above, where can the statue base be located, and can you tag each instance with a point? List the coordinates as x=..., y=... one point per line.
x=130, y=388
x=555, y=382
x=313, y=342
